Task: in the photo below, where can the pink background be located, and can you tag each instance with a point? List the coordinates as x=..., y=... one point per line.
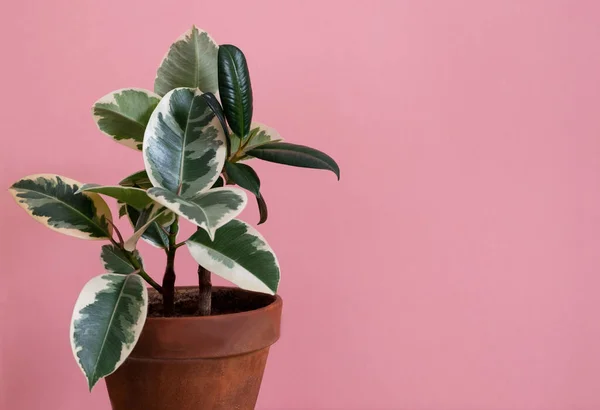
x=455, y=266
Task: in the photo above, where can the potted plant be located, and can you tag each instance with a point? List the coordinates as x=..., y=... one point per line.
x=168, y=347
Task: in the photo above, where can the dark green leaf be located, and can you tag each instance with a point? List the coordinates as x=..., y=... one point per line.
x=235, y=89
x=262, y=208
x=295, y=155
x=218, y=183
x=244, y=176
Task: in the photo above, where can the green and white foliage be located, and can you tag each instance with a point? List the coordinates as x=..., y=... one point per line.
x=209, y=210
x=184, y=144
x=259, y=134
x=117, y=260
x=137, y=180
x=107, y=321
x=55, y=202
x=239, y=254
x=190, y=62
x=155, y=235
x=135, y=197
x=123, y=115
x=148, y=216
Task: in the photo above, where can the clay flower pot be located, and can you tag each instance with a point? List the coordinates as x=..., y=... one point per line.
x=197, y=363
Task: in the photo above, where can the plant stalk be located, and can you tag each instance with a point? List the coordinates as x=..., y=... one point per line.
x=204, y=292
x=140, y=269
x=168, y=284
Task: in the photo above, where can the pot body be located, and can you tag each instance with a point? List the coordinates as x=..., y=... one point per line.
x=198, y=363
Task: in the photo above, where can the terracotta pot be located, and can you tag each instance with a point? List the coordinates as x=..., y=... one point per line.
x=197, y=363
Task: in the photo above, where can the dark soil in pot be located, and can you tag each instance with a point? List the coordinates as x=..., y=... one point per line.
x=224, y=301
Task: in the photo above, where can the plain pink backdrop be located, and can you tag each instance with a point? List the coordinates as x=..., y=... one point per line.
x=455, y=266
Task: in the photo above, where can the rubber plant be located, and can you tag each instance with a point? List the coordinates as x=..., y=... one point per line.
x=196, y=138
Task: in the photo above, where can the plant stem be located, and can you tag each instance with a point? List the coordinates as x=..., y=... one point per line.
x=168, y=284
x=140, y=269
x=204, y=292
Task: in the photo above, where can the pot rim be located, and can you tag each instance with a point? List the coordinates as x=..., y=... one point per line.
x=278, y=301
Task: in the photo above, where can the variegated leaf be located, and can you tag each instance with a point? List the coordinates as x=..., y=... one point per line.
x=107, y=322
x=123, y=115
x=209, y=210
x=147, y=218
x=259, y=134
x=239, y=254
x=135, y=197
x=137, y=180
x=116, y=260
x=53, y=200
x=190, y=62
x=154, y=234
x=184, y=145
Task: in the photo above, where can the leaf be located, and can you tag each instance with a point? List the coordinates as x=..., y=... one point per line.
x=135, y=197
x=209, y=210
x=244, y=176
x=122, y=209
x=148, y=216
x=295, y=155
x=214, y=105
x=116, y=260
x=107, y=322
x=154, y=234
x=184, y=145
x=262, y=209
x=235, y=89
x=137, y=180
x=123, y=115
x=218, y=183
x=239, y=254
x=190, y=62
x=261, y=134
x=53, y=201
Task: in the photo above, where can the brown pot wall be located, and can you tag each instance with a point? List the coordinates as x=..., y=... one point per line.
x=197, y=363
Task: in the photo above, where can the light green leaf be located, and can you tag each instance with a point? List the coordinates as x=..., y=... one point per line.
x=184, y=145
x=107, y=322
x=137, y=180
x=191, y=62
x=239, y=254
x=209, y=210
x=116, y=260
x=135, y=197
x=123, y=115
x=295, y=155
x=53, y=201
